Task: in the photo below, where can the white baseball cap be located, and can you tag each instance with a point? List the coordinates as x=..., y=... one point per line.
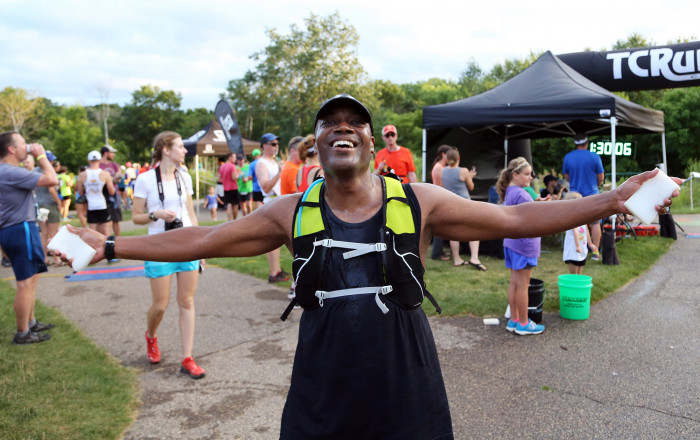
x=94, y=155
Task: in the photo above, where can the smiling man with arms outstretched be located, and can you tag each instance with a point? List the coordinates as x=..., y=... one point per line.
x=366, y=364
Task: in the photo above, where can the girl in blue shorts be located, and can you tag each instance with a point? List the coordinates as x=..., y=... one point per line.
x=520, y=254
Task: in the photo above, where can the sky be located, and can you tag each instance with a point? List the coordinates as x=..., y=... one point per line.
x=76, y=51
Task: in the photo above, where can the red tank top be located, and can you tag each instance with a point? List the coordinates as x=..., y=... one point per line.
x=305, y=177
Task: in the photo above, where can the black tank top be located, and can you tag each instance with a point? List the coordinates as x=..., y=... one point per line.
x=359, y=373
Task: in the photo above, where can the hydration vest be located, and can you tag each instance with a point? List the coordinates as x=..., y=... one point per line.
x=397, y=242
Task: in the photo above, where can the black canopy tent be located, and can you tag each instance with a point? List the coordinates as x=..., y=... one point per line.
x=548, y=99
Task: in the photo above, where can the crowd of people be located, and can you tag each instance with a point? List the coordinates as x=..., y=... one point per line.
x=366, y=362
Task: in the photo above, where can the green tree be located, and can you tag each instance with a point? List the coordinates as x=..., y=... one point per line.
x=681, y=108
x=16, y=107
x=151, y=111
x=193, y=121
x=74, y=136
x=295, y=73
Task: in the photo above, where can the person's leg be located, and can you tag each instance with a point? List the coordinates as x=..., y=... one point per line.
x=521, y=284
x=116, y=228
x=51, y=230
x=474, y=252
x=229, y=211
x=454, y=247
x=103, y=228
x=579, y=270
x=186, y=287
x=595, y=234
x=273, y=260
x=44, y=233
x=81, y=211
x=24, y=302
x=436, y=252
x=160, y=294
x=213, y=213
x=572, y=268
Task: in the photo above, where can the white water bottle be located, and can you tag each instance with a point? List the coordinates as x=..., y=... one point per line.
x=72, y=246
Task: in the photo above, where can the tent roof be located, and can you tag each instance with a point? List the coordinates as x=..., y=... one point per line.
x=548, y=99
x=211, y=141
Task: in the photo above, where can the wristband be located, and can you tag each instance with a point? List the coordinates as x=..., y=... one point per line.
x=109, y=248
x=38, y=158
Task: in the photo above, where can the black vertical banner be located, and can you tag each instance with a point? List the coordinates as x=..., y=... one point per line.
x=646, y=68
x=224, y=114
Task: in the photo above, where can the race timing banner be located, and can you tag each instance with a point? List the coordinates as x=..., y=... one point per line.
x=647, y=68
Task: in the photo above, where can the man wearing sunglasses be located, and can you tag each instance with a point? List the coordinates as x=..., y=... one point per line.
x=394, y=158
x=267, y=171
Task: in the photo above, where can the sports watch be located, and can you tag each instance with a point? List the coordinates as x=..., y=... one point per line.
x=152, y=216
x=109, y=248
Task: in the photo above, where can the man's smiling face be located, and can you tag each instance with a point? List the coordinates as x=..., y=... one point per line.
x=344, y=139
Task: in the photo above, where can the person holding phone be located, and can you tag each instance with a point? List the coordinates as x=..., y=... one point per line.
x=460, y=181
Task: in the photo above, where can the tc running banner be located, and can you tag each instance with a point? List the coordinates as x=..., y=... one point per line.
x=224, y=114
x=648, y=68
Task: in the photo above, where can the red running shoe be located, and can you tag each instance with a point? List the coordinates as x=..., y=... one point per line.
x=152, y=350
x=191, y=369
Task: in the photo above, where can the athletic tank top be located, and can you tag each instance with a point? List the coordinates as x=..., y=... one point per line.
x=359, y=373
x=273, y=169
x=93, y=190
x=451, y=182
x=305, y=177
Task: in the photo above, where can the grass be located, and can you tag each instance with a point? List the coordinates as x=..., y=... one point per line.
x=64, y=388
x=463, y=290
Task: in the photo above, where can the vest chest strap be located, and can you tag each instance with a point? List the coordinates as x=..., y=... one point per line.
x=358, y=248
x=383, y=290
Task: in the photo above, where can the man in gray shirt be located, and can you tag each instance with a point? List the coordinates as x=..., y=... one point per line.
x=19, y=235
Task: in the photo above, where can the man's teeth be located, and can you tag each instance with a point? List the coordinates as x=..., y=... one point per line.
x=343, y=144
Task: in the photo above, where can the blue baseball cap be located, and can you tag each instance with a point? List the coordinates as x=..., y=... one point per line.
x=267, y=137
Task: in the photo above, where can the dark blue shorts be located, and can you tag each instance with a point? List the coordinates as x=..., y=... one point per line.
x=22, y=244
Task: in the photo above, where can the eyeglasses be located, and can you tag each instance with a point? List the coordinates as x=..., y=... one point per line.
x=274, y=144
x=389, y=135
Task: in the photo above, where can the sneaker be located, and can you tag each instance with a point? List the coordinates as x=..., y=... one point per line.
x=152, y=350
x=595, y=256
x=511, y=325
x=530, y=329
x=277, y=278
x=286, y=274
x=6, y=262
x=30, y=338
x=291, y=294
x=191, y=369
x=41, y=326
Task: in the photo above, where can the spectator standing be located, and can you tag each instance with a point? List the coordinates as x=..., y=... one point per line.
x=66, y=182
x=108, y=164
x=436, y=175
x=394, y=157
x=584, y=171
x=228, y=173
x=460, y=181
x=245, y=184
x=521, y=254
x=576, y=243
x=163, y=201
x=288, y=176
x=312, y=167
x=212, y=202
x=19, y=234
x=267, y=171
x=92, y=185
x=257, y=192
x=46, y=198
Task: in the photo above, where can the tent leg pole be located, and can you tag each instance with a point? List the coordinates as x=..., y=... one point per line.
x=505, y=150
x=196, y=174
x=423, y=174
x=663, y=149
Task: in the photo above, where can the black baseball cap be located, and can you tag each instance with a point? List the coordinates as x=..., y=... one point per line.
x=343, y=97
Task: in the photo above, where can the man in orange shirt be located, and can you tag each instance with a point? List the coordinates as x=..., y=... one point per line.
x=395, y=157
x=288, y=179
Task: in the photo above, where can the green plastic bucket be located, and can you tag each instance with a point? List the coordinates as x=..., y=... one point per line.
x=575, y=296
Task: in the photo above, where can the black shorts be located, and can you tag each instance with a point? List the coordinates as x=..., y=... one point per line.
x=98, y=216
x=115, y=214
x=231, y=197
x=576, y=263
x=244, y=197
x=257, y=196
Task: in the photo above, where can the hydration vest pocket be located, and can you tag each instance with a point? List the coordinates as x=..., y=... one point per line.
x=306, y=271
x=404, y=271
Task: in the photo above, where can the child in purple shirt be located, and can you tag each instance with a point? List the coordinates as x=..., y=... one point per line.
x=520, y=254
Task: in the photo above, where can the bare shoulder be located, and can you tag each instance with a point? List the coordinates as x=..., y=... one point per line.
x=429, y=195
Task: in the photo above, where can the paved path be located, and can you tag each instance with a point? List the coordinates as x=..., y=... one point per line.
x=629, y=372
